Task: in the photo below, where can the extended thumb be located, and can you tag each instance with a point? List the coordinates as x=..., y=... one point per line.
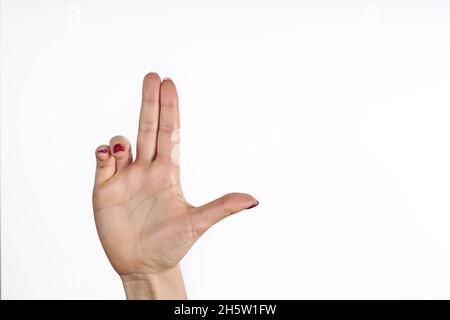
x=209, y=214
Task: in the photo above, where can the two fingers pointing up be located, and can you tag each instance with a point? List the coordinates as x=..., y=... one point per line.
x=158, y=131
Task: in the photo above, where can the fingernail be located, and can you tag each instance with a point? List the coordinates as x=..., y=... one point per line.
x=102, y=150
x=254, y=205
x=118, y=147
x=166, y=78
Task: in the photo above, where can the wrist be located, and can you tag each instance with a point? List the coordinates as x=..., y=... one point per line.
x=166, y=285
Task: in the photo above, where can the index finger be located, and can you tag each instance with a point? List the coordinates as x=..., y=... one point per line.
x=148, y=118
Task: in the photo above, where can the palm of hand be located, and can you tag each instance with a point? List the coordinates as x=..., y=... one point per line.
x=141, y=214
x=143, y=220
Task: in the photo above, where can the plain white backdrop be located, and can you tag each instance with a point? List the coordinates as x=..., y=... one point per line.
x=333, y=114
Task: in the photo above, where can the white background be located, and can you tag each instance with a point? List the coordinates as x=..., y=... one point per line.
x=333, y=114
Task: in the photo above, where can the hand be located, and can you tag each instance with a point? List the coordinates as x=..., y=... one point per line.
x=143, y=220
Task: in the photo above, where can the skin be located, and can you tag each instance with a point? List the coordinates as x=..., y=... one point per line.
x=144, y=222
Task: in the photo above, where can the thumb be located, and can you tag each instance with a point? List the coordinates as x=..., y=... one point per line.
x=207, y=215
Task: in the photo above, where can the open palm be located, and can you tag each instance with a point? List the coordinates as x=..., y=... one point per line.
x=143, y=220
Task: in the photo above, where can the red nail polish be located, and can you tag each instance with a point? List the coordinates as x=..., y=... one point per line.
x=118, y=147
x=254, y=205
x=102, y=150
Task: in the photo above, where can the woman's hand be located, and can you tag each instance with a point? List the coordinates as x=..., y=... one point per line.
x=143, y=220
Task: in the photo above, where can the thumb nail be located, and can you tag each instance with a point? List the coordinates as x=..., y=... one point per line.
x=254, y=205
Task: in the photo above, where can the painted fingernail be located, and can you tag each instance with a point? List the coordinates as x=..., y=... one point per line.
x=254, y=205
x=102, y=150
x=118, y=147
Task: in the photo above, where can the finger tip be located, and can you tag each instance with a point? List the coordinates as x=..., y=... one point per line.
x=245, y=200
x=102, y=152
x=254, y=204
x=119, y=146
x=152, y=76
x=251, y=200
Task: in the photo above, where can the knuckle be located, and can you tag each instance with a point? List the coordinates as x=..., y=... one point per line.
x=148, y=127
x=223, y=205
x=168, y=105
x=118, y=138
x=167, y=128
